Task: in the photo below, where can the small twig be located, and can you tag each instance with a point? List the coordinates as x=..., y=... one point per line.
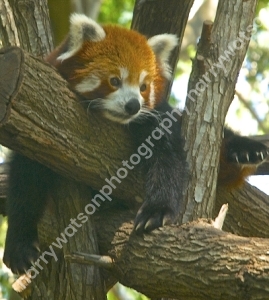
x=205, y=39
x=21, y=285
x=218, y=223
x=90, y=259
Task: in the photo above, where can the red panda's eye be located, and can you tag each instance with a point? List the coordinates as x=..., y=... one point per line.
x=115, y=81
x=143, y=87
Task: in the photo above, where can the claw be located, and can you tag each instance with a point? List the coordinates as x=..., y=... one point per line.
x=236, y=157
x=138, y=227
x=166, y=220
x=149, y=224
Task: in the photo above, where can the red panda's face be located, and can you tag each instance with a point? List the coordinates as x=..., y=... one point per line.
x=118, y=71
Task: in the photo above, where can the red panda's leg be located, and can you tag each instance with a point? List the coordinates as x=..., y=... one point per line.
x=29, y=183
x=166, y=171
x=239, y=159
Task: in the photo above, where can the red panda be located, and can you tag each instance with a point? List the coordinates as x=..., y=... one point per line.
x=121, y=74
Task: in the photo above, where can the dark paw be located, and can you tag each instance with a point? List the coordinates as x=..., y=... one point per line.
x=20, y=255
x=243, y=150
x=149, y=217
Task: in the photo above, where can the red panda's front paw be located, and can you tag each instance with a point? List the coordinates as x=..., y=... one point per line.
x=151, y=217
x=243, y=150
x=20, y=252
x=21, y=258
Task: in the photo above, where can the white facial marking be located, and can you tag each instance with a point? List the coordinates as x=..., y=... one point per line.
x=142, y=76
x=116, y=101
x=151, y=95
x=88, y=84
x=124, y=73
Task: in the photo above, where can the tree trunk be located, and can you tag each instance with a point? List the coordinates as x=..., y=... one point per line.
x=221, y=51
x=59, y=279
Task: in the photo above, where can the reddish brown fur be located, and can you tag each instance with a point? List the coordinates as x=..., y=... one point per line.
x=120, y=48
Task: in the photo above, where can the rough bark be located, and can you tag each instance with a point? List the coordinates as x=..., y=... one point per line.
x=52, y=127
x=210, y=92
x=201, y=262
x=26, y=24
x=60, y=279
x=248, y=211
x=193, y=261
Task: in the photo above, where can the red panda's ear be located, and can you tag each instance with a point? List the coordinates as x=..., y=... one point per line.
x=162, y=45
x=82, y=29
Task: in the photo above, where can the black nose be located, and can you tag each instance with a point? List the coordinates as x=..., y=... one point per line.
x=132, y=106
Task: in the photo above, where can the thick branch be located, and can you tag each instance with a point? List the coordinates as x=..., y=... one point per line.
x=194, y=261
x=185, y=252
x=43, y=120
x=205, y=263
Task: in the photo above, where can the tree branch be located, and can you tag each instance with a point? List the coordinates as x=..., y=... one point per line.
x=52, y=127
x=195, y=260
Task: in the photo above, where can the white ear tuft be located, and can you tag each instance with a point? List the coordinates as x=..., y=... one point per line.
x=162, y=45
x=82, y=29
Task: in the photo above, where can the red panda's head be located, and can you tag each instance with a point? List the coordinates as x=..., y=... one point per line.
x=119, y=70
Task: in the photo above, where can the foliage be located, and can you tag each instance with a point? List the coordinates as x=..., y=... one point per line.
x=117, y=12
x=249, y=114
x=257, y=69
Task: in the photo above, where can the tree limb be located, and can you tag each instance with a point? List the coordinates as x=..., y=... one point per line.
x=193, y=261
x=43, y=120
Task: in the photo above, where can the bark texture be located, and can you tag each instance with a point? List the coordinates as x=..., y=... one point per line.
x=220, y=54
x=42, y=119
x=58, y=279
x=193, y=261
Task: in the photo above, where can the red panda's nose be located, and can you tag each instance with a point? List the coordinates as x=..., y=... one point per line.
x=132, y=106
